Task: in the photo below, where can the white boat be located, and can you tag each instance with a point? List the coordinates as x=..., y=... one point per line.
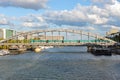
x=4, y=52
x=45, y=47
x=37, y=49
x=48, y=47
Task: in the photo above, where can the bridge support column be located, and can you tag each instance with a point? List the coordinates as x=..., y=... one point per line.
x=66, y=35
x=52, y=35
x=45, y=35
x=81, y=35
x=59, y=35
x=96, y=39
x=88, y=37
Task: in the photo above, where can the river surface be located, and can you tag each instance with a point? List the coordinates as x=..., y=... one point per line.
x=65, y=63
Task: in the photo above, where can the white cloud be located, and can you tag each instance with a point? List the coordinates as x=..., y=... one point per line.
x=90, y=28
x=32, y=18
x=4, y=21
x=34, y=25
x=99, y=11
x=27, y=24
x=115, y=27
x=95, y=19
x=40, y=18
x=31, y=24
x=103, y=2
x=92, y=17
x=33, y=21
x=114, y=10
x=80, y=15
x=93, y=14
x=29, y=4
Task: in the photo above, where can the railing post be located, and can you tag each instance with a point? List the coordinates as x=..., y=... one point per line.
x=59, y=34
x=52, y=35
x=81, y=35
x=66, y=35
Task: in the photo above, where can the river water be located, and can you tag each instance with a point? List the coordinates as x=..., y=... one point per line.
x=65, y=63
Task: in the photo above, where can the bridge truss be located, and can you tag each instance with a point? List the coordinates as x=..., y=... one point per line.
x=79, y=32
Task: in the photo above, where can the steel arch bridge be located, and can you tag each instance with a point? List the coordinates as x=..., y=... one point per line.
x=80, y=32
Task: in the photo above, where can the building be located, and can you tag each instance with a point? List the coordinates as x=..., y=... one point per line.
x=1, y=34
x=52, y=38
x=42, y=37
x=115, y=36
x=6, y=33
x=112, y=31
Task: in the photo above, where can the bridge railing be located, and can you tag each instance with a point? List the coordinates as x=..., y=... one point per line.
x=68, y=41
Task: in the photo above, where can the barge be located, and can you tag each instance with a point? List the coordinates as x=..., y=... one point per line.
x=101, y=51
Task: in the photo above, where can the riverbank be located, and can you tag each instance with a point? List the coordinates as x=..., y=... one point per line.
x=97, y=51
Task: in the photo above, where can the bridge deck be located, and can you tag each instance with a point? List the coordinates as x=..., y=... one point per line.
x=55, y=44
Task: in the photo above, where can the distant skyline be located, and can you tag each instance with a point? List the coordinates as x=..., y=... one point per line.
x=97, y=16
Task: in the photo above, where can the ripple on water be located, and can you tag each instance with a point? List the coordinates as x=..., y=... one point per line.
x=59, y=66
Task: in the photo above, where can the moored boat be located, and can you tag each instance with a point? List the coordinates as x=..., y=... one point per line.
x=37, y=49
x=4, y=52
x=45, y=47
x=101, y=51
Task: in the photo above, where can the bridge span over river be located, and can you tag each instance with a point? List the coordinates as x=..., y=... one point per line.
x=81, y=39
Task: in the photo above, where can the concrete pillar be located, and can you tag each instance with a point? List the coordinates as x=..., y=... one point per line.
x=96, y=38
x=45, y=35
x=81, y=35
x=59, y=35
x=52, y=35
x=88, y=36
x=66, y=35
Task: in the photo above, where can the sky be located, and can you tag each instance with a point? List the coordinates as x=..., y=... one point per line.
x=97, y=16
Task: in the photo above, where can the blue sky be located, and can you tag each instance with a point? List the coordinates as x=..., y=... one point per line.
x=52, y=5
x=88, y=15
x=65, y=4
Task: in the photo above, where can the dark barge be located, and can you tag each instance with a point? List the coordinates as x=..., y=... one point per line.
x=101, y=51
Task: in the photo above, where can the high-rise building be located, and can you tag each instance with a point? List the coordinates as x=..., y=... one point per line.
x=1, y=34
x=6, y=33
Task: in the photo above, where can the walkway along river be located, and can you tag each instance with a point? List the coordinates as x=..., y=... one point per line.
x=67, y=63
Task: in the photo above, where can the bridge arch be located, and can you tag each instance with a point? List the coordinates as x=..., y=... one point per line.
x=61, y=30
